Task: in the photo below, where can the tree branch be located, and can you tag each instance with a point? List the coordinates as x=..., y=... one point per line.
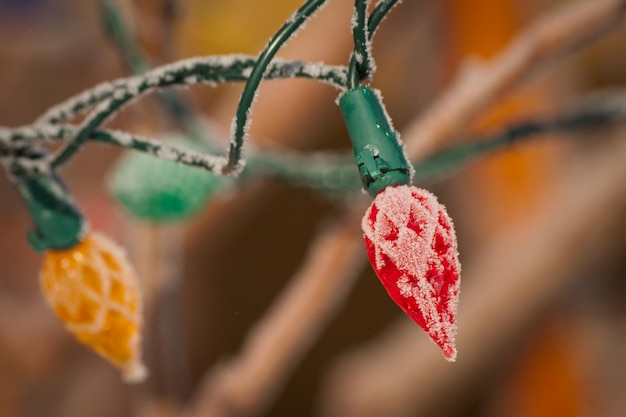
x=479, y=85
x=247, y=384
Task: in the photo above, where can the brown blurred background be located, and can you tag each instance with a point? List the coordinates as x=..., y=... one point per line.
x=563, y=357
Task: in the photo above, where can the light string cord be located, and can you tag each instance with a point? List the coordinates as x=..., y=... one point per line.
x=334, y=172
x=361, y=60
x=233, y=68
x=210, y=70
x=240, y=125
x=124, y=38
x=362, y=65
x=110, y=97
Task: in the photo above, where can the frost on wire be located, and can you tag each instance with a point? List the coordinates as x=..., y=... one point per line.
x=412, y=246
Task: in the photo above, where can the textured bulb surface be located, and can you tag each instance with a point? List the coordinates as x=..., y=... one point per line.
x=95, y=293
x=159, y=190
x=412, y=246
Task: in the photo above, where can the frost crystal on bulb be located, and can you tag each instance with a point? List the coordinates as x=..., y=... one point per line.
x=94, y=291
x=412, y=246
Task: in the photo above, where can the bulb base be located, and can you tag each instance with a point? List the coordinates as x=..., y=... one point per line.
x=379, y=155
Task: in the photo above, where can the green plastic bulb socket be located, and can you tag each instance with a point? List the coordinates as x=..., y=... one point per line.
x=379, y=155
x=59, y=222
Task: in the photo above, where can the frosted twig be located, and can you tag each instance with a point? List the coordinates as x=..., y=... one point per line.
x=508, y=285
x=246, y=385
x=157, y=255
x=480, y=85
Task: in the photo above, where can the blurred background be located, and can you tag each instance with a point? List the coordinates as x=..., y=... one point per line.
x=541, y=225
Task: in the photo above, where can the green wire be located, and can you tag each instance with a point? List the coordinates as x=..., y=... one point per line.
x=205, y=70
x=359, y=68
x=134, y=56
x=585, y=117
x=326, y=172
x=123, y=36
x=331, y=173
x=249, y=92
x=120, y=96
x=247, y=97
x=83, y=135
x=234, y=156
x=380, y=12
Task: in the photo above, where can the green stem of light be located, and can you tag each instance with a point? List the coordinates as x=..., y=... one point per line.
x=359, y=68
x=380, y=12
x=123, y=36
x=135, y=57
x=330, y=173
x=207, y=70
x=171, y=11
x=249, y=92
x=179, y=75
x=88, y=127
x=446, y=161
x=335, y=173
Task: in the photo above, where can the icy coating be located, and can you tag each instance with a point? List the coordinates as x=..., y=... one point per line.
x=412, y=246
x=367, y=57
x=208, y=70
x=95, y=292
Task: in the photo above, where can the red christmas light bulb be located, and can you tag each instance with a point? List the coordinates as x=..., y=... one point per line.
x=412, y=246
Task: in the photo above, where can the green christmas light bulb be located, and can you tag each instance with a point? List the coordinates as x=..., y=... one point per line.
x=159, y=190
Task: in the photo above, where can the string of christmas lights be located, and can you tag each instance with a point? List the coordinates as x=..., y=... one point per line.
x=408, y=236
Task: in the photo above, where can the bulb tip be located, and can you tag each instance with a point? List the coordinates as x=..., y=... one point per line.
x=135, y=373
x=449, y=353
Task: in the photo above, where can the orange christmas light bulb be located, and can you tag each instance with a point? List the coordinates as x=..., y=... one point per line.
x=93, y=289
